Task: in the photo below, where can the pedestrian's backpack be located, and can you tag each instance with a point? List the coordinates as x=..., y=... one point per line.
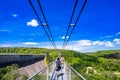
x=58, y=64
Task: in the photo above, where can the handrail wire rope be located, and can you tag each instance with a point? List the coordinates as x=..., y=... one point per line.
x=52, y=42
x=75, y=23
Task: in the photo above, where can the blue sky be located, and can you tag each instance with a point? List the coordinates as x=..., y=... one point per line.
x=98, y=27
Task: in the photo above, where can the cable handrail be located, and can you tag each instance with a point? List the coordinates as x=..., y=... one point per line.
x=31, y=77
x=75, y=71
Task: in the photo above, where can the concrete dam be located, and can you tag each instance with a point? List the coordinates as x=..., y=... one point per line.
x=28, y=64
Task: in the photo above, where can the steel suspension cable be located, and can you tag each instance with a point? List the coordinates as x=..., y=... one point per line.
x=46, y=22
x=75, y=23
x=69, y=23
x=49, y=37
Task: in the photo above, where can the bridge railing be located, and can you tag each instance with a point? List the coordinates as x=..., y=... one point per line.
x=72, y=74
x=44, y=74
x=49, y=73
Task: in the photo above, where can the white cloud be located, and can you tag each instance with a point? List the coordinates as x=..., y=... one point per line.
x=67, y=37
x=74, y=47
x=103, y=43
x=15, y=15
x=81, y=45
x=85, y=42
x=63, y=37
x=5, y=45
x=109, y=44
x=33, y=23
x=100, y=43
x=30, y=43
x=89, y=45
x=116, y=41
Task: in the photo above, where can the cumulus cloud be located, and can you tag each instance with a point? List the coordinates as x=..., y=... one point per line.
x=103, y=43
x=63, y=37
x=32, y=23
x=89, y=45
x=30, y=43
x=100, y=43
x=109, y=44
x=116, y=41
x=85, y=43
x=75, y=47
x=5, y=45
x=15, y=15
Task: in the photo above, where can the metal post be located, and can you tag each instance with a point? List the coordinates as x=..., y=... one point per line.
x=48, y=72
x=69, y=74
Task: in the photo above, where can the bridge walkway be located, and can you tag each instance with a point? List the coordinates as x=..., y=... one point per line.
x=48, y=73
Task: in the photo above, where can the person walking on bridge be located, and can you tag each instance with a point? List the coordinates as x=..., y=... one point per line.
x=62, y=62
x=58, y=66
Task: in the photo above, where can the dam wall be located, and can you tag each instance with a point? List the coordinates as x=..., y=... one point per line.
x=18, y=58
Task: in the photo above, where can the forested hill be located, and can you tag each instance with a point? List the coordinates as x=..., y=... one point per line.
x=105, y=64
x=107, y=54
x=103, y=68
x=23, y=50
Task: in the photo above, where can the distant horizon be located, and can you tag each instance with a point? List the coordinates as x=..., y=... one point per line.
x=64, y=49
